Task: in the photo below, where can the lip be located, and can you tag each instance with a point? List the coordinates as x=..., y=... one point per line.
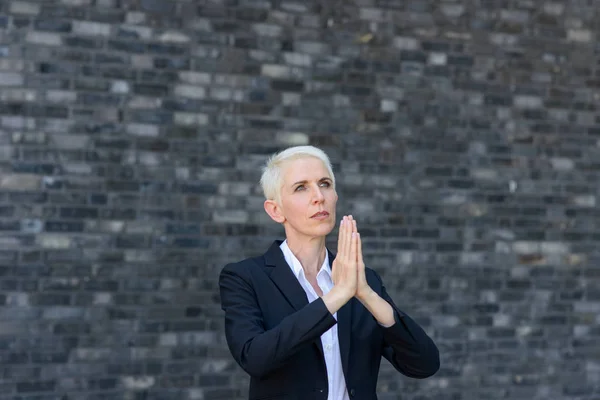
x=321, y=214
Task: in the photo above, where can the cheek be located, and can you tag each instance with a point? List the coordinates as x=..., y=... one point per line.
x=333, y=197
x=293, y=208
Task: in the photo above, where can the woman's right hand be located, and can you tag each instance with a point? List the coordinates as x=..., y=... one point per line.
x=344, y=267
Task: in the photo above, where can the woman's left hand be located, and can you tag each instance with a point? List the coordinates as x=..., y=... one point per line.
x=362, y=288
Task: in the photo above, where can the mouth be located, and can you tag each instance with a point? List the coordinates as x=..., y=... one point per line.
x=320, y=214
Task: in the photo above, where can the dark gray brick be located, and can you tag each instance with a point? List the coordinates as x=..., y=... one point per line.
x=53, y=25
x=158, y=6
x=63, y=12
x=126, y=46
x=64, y=226
x=78, y=212
x=106, y=15
x=83, y=42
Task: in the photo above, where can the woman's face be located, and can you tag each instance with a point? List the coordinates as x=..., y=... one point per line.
x=308, y=198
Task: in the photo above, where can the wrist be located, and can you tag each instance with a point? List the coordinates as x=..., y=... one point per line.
x=336, y=298
x=342, y=293
x=364, y=295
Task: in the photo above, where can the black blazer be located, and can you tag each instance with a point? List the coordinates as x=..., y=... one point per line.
x=274, y=334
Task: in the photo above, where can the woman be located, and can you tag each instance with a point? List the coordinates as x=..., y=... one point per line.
x=303, y=322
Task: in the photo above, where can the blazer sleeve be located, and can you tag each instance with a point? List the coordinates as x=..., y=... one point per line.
x=406, y=345
x=257, y=350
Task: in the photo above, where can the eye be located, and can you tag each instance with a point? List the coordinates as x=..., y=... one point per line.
x=322, y=184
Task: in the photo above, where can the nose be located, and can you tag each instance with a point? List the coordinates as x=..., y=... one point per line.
x=318, y=196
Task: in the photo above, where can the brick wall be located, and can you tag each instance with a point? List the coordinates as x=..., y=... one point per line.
x=465, y=140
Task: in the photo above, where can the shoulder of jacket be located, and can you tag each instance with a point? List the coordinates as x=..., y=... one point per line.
x=245, y=266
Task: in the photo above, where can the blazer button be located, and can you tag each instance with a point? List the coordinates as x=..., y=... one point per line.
x=352, y=392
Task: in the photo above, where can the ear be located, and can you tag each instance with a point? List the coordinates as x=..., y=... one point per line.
x=274, y=211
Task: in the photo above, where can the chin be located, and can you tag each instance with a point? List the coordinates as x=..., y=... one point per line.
x=322, y=231
x=325, y=230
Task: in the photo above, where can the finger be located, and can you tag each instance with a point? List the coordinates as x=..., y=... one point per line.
x=353, y=230
x=344, y=240
x=353, y=254
x=341, y=236
x=349, y=238
x=359, y=255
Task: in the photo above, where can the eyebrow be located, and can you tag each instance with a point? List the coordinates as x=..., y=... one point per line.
x=325, y=178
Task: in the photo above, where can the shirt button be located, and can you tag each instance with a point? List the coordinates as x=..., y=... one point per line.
x=352, y=392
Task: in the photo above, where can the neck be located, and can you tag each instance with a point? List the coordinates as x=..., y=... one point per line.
x=310, y=252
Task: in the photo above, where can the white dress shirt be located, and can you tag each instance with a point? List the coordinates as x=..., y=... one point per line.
x=331, y=348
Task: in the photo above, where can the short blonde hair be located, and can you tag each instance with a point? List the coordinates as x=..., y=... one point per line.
x=271, y=180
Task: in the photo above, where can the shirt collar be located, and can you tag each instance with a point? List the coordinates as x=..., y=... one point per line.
x=295, y=264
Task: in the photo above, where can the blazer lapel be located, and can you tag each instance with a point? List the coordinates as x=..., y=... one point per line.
x=284, y=278
x=281, y=274
x=344, y=322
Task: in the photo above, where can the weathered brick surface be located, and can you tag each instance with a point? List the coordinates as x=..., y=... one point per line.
x=465, y=136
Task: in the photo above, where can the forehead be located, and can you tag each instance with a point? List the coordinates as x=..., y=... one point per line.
x=306, y=168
